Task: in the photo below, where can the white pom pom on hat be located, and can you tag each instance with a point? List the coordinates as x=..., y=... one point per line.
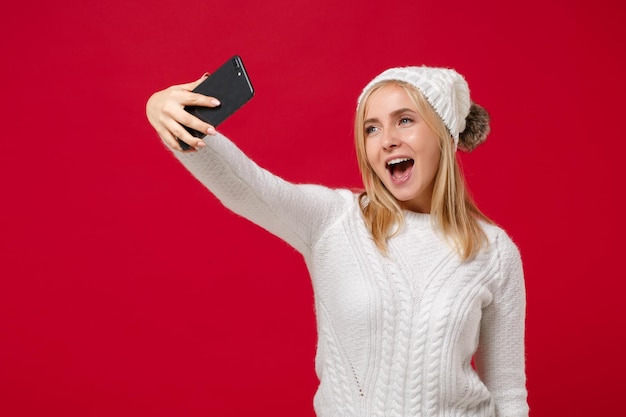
x=445, y=89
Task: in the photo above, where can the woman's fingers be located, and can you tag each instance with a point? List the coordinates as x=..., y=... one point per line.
x=166, y=113
x=173, y=111
x=175, y=131
x=184, y=97
x=190, y=86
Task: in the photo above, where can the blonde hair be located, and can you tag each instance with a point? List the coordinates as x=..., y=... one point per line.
x=452, y=210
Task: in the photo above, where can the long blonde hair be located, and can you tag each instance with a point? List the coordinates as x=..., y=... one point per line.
x=452, y=210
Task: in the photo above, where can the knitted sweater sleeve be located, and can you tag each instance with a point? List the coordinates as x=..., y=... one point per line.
x=298, y=214
x=500, y=357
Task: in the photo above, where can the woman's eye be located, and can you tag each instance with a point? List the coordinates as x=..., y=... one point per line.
x=370, y=129
x=405, y=120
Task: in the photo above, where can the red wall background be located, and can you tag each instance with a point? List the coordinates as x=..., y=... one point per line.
x=127, y=290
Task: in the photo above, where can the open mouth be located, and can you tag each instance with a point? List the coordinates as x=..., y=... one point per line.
x=400, y=168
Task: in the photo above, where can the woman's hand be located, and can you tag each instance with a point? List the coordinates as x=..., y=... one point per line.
x=166, y=114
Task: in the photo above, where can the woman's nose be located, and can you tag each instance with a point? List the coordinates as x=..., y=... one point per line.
x=390, y=140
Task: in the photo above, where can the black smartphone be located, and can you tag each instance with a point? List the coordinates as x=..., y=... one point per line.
x=231, y=85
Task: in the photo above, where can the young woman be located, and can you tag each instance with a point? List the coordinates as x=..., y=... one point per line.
x=419, y=298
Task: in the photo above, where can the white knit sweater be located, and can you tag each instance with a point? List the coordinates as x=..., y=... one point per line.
x=396, y=334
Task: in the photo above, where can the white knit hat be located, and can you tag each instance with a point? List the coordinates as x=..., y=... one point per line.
x=445, y=89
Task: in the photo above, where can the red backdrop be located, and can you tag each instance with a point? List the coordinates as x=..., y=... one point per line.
x=127, y=290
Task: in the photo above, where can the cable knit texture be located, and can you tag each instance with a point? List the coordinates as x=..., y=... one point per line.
x=396, y=334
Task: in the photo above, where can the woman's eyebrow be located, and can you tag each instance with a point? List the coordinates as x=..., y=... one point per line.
x=400, y=111
x=394, y=113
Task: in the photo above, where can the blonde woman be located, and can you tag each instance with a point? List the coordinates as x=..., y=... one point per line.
x=419, y=298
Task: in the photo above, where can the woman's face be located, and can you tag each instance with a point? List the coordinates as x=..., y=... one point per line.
x=403, y=151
